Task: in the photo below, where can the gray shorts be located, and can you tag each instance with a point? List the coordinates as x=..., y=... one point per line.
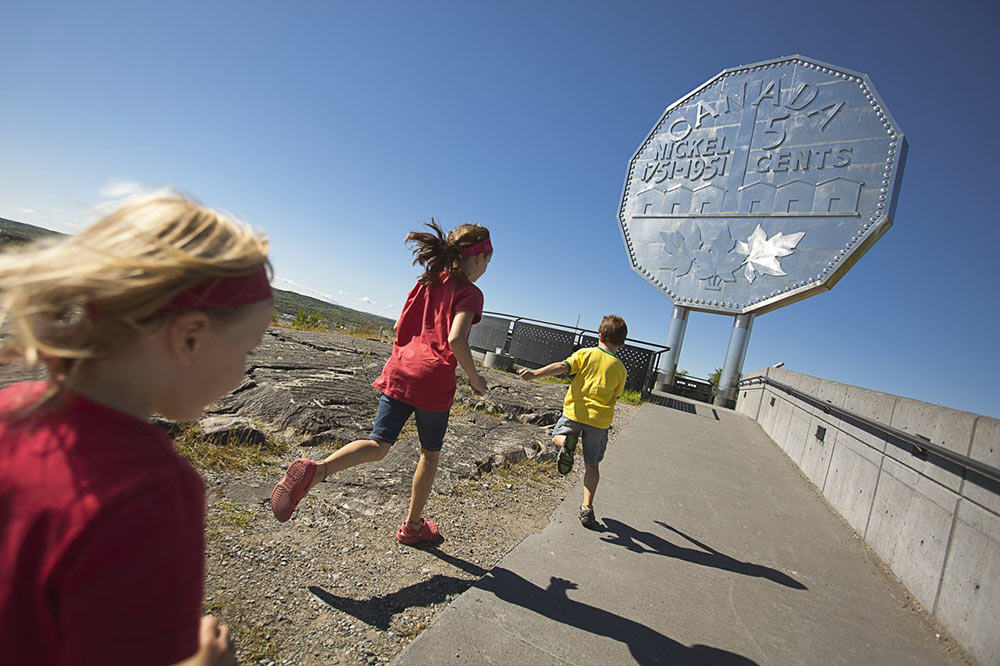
x=594, y=440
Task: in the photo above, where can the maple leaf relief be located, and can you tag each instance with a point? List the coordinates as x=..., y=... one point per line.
x=716, y=261
x=678, y=251
x=762, y=252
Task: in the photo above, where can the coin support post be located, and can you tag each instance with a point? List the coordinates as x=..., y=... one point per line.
x=675, y=338
x=739, y=340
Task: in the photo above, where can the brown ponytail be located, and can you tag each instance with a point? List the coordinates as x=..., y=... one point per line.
x=437, y=253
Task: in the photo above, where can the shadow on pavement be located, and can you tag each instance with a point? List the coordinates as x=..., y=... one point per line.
x=646, y=645
x=646, y=542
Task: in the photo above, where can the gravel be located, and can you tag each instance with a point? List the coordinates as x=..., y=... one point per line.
x=332, y=585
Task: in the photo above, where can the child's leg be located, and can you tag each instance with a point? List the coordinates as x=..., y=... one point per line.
x=423, y=479
x=431, y=428
x=595, y=443
x=356, y=453
x=303, y=474
x=591, y=477
x=565, y=435
x=392, y=415
x=563, y=428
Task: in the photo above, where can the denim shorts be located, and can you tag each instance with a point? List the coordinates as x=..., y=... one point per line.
x=594, y=440
x=392, y=416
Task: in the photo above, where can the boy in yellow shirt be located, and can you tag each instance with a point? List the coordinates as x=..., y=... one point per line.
x=598, y=381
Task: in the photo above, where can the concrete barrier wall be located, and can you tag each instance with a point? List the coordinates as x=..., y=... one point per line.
x=934, y=524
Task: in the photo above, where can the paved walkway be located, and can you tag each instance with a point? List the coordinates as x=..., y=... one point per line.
x=713, y=549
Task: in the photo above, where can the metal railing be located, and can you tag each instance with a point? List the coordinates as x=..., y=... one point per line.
x=583, y=337
x=691, y=387
x=920, y=446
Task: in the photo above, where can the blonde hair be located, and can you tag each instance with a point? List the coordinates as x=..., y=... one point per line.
x=83, y=296
x=437, y=253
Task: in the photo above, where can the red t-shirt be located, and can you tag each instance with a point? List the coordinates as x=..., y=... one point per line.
x=421, y=370
x=101, y=537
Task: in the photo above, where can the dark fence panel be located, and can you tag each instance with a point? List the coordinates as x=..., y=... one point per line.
x=635, y=359
x=489, y=333
x=692, y=387
x=540, y=345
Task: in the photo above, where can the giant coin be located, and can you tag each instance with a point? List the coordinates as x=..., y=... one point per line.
x=762, y=187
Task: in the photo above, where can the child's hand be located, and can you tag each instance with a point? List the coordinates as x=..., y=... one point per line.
x=477, y=384
x=216, y=646
x=526, y=374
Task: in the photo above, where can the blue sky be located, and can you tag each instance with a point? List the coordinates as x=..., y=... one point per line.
x=337, y=127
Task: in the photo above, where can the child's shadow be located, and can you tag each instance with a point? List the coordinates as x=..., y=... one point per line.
x=635, y=540
x=646, y=645
x=379, y=611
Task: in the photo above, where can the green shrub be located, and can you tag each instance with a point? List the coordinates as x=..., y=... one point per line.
x=308, y=321
x=632, y=397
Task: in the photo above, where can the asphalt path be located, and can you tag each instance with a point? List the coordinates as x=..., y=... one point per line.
x=712, y=549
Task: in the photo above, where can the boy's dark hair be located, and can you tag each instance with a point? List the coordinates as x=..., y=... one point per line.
x=437, y=252
x=613, y=330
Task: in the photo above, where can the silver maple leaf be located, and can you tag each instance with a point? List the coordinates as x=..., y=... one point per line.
x=678, y=252
x=763, y=252
x=716, y=261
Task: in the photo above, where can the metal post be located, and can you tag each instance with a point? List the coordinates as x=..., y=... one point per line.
x=675, y=338
x=738, y=343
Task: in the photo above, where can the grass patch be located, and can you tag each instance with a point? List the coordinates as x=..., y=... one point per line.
x=459, y=409
x=251, y=637
x=390, y=336
x=632, y=397
x=556, y=380
x=233, y=456
x=532, y=472
x=225, y=516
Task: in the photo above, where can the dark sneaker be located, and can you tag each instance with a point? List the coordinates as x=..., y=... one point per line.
x=565, y=461
x=587, y=517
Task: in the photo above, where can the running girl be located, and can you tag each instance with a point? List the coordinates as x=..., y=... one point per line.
x=432, y=335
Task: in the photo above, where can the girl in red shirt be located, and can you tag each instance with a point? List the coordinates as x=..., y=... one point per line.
x=152, y=309
x=432, y=339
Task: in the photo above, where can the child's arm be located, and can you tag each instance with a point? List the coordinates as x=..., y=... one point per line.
x=458, y=338
x=550, y=370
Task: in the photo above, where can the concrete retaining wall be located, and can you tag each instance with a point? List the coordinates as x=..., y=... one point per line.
x=936, y=525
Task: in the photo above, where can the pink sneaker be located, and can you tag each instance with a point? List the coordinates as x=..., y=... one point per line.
x=428, y=531
x=292, y=488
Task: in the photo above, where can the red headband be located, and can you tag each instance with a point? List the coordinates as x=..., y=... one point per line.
x=223, y=293
x=482, y=247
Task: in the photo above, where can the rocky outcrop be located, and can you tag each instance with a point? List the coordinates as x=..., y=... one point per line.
x=316, y=388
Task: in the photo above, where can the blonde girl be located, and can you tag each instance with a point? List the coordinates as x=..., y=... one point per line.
x=432, y=335
x=153, y=309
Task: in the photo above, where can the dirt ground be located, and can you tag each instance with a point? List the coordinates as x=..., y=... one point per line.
x=332, y=585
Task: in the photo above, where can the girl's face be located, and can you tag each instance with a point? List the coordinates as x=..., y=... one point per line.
x=221, y=363
x=476, y=265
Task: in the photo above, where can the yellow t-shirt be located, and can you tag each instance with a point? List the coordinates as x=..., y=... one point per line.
x=598, y=382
